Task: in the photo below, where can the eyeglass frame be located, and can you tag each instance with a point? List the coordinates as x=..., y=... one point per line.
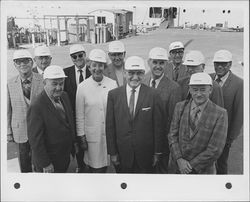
x=22, y=60
x=77, y=55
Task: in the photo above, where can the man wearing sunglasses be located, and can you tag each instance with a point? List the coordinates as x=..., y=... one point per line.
x=134, y=122
x=175, y=69
x=42, y=59
x=75, y=75
x=21, y=90
x=115, y=69
x=232, y=88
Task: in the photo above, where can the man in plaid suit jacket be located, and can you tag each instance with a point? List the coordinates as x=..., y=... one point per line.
x=198, y=130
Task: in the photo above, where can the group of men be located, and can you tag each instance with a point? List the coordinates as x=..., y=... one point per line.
x=175, y=118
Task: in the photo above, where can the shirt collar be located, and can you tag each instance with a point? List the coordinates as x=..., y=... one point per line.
x=157, y=81
x=39, y=70
x=129, y=89
x=201, y=107
x=224, y=78
x=83, y=69
x=29, y=78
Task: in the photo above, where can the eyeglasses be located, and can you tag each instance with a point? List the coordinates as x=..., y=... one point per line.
x=22, y=60
x=44, y=57
x=175, y=52
x=77, y=55
x=138, y=73
x=223, y=64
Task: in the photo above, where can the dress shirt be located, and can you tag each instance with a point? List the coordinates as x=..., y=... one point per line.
x=77, y=73
x=129, y=91
x=39, y=70
x=223, y=79
x=157, y=81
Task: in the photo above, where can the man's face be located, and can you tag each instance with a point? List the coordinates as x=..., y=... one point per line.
x=117, y=59
x=195, y=69
x=134, y=77
x=157, y=67
x=177, y=55
x=79, y=59
x=43, y=61
x=96, y=69
x=200, y=93
x=54, y=87
x=24, y=65
x=221, y=68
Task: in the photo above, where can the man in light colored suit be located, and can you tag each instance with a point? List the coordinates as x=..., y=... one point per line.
x=195, y=63
x=51, y=130
x=115, y=70
x=175, y=70
x=22, y=89
x=169, y=92
x=134, y=122
x=198, y=130
x=42, y=59
x=232, y=87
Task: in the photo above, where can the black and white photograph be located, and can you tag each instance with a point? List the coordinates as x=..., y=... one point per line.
x=124, y=100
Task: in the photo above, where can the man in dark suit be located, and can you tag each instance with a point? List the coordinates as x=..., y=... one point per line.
x=195, y=63
x=75, y=75
x=232, y=87
x=198, y=130
x=51, y=130
x=42, y=59
x=169, y=92
x=134, y=122
x=175, y=70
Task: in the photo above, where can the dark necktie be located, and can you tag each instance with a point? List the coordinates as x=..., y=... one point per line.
x=81, y=76
x=176, y=73
x=132, y=103
x=153, y=83
x=26, y=88
x=194, y=117
x=60, y=108
x=218, y=80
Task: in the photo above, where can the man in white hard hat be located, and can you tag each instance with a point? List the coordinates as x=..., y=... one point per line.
x=198, y=130
x=195, y=62
x=134, y=122
x=51, y=129
x=75, y=75
x=175, y=70
x=21, y=90
x=42, y=59
x=232, y=87
x=91, y=103
x=169, y=92
x=115, y=70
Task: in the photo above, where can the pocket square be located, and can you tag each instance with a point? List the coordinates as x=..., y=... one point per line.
x=146, y=108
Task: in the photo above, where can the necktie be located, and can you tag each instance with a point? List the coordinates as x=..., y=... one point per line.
x=194, y=117
x=153, y=83
x=26, y=88
x=176, y=73
x=81, y=76
x=60, y=108
x=218, y=80
x=132, y=103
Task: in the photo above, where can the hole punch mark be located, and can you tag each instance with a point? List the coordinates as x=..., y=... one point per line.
x=123, y=185
x=17, y=185
x=228, y=185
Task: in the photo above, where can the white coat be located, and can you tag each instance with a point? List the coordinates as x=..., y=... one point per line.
x=91, y=103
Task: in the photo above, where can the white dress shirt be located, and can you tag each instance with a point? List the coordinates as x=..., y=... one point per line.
x=128, y=90
x=78, y=74
x=157, y=81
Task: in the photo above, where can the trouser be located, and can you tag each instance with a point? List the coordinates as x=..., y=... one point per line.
x=98, y=170
x=221, y=165
x=162, y=166
x=24, y=157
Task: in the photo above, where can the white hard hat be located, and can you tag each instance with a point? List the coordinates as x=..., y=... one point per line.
x=97, y=55
x=116, y=47
x=42, y=51
x=194, y=58
x=223, y=56
x=21, y=54
x=76, y=48
x=134, y=63
x=53, y=72
x=158, y=53
x=176, y=45
x=200, y=78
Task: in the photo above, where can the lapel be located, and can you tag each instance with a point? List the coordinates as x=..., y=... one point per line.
x=66, y=109
x=228, y=81
x=163, y=85
x=141, y=96
x=169, y=70
x=35, y=84
x=72, y=79
x=88, y=73
x=17, y=87
x=124, y=101
x=185, y=121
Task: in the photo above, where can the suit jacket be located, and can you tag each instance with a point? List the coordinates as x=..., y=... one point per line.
x=17, y=106
x=110, y=72
x=50, y=135
x=208, y=140
x=140, y=137
x=216, y=96
x=233, y=103
x=70, y=84
x=169, y=72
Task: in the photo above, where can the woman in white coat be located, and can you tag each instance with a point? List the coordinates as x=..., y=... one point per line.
x=91, y=102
